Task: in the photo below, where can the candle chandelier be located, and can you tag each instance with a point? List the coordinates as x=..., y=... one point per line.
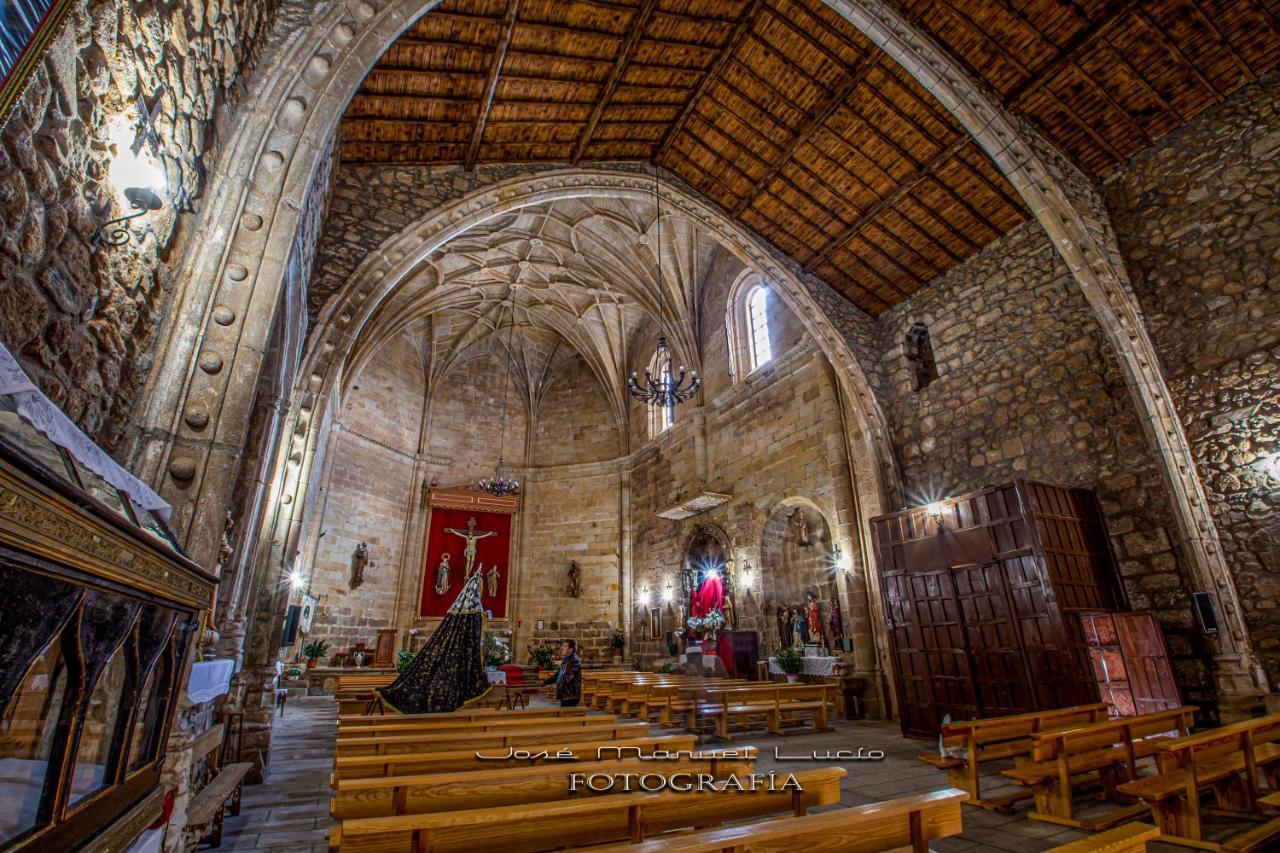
x=668, y=388
x=500, y=484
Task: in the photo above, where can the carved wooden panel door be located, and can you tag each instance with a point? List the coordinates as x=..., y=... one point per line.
x=995, y=647
x=1151, y=681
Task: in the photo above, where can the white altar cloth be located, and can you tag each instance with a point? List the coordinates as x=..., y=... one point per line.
x=812, y=666
x=209, y=679
x=495, y=676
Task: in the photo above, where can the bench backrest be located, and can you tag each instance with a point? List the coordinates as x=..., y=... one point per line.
x=767, y=693
x=997, y=729
x=507, y=721
x=1188, y=752
x=489, y=739
x=591, y=820
x=445, y=761
x=1123, y=730
x=354, y=721
x=437, y=792
x=906, y=821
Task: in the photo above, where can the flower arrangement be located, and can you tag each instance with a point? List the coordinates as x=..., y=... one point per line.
x=789, y=660
x=403, y=658
x=708, y=623
x=540, y=655
x=494, y=651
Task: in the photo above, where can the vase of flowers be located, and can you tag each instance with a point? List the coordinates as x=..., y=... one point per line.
x=790, y=662
x=708, y=625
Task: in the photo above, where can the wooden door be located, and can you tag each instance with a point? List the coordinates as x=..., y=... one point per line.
x=995, y=647
x=1151, y=681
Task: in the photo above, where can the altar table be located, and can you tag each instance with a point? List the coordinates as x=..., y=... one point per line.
x=812, y=666
x=209, y=679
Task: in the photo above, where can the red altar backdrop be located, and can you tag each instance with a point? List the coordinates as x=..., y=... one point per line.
x=708, y=597
x=490, y=550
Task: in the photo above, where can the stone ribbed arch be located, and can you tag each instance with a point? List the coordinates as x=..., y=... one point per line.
x=227, y=288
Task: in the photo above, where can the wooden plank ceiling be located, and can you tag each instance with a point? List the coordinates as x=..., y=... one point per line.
x=785, y=115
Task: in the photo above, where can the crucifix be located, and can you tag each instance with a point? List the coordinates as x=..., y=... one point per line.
x=471, y=535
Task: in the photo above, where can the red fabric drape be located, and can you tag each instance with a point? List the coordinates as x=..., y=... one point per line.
x=489, y=550
x=708, y=597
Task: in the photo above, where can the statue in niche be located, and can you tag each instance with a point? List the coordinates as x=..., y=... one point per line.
x=471, y=536
x=575, y=579
x=798, y=638
x=359, y=560
x=785, y=624
x=801, y=522
x=442, y=575
x=835, y=621
x=491, y=581
x=813, y=617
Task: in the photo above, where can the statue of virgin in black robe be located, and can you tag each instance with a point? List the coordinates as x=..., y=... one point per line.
x=449, y=671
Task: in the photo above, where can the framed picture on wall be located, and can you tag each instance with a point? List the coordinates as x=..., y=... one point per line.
x=655, y=624
x=26, y=28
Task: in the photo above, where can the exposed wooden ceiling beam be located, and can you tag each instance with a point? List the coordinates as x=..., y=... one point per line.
x=491, y=82
x=851, y=84
x=1178, y=54
x=923, y=173
x=635, y=32
x=740, y=32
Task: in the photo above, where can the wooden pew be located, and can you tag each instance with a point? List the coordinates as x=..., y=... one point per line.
x=999, y=738
x=637, y=702
x=592, y=680
x=903, y=822
x=507, y=786
x=355, y=693
x=453, y=761
x=673, y=701
x=612, y=693
x=491, y=739
x=584, y=820
x=1130, y=838
x=220, y=791
x=510, y=720
x=1111, y=749
x=1225, y=761
x=354, y=721
x=777, y=703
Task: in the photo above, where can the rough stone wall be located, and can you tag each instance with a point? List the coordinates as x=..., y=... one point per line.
x=367, y=498
x=82, y=321
x=1197, y=220
x=574, y=423
x=465, y=428
x=1028, y=388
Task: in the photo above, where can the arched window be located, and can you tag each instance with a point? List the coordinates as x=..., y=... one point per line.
x=661, y=417
x=758, y=326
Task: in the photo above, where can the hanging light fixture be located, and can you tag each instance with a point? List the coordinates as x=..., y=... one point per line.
x=667, y=389
x=499, y=484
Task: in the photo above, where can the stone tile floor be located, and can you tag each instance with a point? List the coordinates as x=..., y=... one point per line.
x=290, y=811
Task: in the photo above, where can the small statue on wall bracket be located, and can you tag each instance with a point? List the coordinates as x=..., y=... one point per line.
x=575, y=579
x=491, y=581
x=801, y=521
x=442, y=575
x=836, y=623
x=224, y=546
x=359, y=560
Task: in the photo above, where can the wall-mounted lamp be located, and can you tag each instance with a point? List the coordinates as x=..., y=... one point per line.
x=668, y=594
x=135, y=171
x=841, y=564
x=296, y=580
x=745, y=576
x=644, y=598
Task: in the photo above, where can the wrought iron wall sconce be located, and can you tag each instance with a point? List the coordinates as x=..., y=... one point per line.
x=137, y=174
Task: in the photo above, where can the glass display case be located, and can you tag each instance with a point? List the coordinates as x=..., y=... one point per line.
x=98, y=609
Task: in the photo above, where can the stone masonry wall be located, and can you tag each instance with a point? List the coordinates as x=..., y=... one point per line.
x=1197, y=220
x=82, y=321
x=367, y=498
x=1027, y=387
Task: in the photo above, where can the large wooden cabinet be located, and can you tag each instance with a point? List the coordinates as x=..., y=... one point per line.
x=982, y=596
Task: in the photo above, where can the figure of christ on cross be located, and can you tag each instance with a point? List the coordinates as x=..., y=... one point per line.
x=471, y=535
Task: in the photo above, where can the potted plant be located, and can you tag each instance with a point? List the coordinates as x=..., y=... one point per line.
x=790, y=662
x=403, y=657
x=494, y=651
x=313, y=651
x=617, y=642
x=540, y=656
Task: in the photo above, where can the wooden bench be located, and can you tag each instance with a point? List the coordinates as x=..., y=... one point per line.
x=1110, y=749
x=505, y=786
x=354, y=721
x=1225, y=761
x=776, y=703
x=673, y=701
x=903, y=822
x=355, y=693
x=585, y=820
x=638, y=700
x=998, y=738
x=453, y=761
x=592, y=680
x=219, y=791
x=510, y=720
x=1130, y=838
x=490, y=739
